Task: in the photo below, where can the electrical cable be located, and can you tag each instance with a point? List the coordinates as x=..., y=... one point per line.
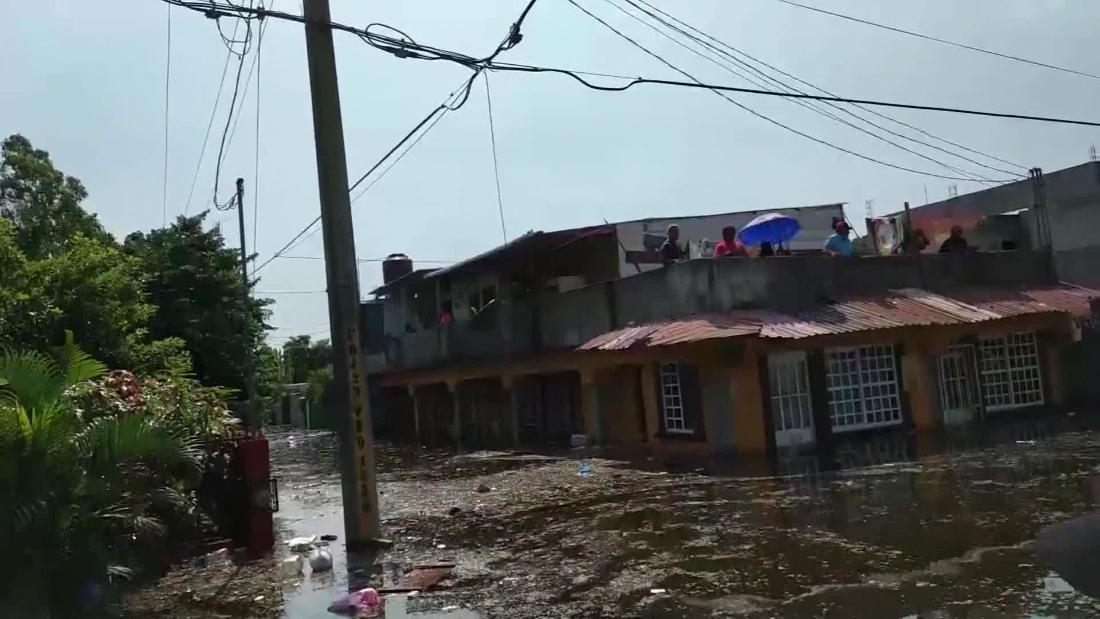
x=634, y=81
x=713, y=40
x=812, y=106
x=496, y=165
x=368, y=260
x=754, y=112
x=256, y=149
x=167, y=89
x=939, y=40
x=229, y=118
x=209, y=126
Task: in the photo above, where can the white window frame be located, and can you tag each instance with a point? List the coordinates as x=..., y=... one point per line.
x=672, y=399
x=863, y=384
x=1011, y=371
x=791, y=400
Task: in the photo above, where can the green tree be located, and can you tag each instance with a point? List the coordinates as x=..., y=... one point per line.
x=269, y=379
x=41, y=201
x=301, y=356
x=194, y=281
x=97, y=293
x=25, y=312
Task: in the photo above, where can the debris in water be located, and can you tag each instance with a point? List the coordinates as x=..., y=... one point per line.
x=328, y=537
x=482, y=488
x=584, y=470
x=658, y=591
x=320, y=560
x=441, y=546
x=302, y=544
x=364, y=602
x=454, y=511
x=421, y=578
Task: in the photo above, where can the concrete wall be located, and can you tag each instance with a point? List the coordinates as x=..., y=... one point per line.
x=786, y=284
x=816, y=224
x=1080, y=266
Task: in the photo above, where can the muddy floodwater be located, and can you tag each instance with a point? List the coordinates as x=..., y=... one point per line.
x=898, y=526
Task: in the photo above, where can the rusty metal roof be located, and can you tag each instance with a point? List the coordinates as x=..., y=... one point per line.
x=907, y=307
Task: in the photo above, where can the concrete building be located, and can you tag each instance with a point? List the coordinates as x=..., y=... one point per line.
x=1060, y=211
x=554, y=335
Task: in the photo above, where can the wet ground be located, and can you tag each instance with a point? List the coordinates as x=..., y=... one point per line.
x=899, y=526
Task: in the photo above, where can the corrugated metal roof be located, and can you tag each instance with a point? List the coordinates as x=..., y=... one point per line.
x=908, y=307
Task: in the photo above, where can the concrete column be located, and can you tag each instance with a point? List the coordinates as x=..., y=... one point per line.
x=511, y=396
x=416, y=413
x=650, y=405
x=920, y=385
x=456, y=415
x=750, y=434
x=1056, y=383
x=590, y=408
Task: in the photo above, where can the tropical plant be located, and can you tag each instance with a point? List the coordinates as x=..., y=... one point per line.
x=80, y=498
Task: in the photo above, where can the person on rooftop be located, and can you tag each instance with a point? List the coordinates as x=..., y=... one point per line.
x=729, y=246
x=838, y=243
x=670, y=250
x=956, y=243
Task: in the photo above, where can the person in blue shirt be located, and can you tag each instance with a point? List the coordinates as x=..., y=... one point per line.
x=838, y=243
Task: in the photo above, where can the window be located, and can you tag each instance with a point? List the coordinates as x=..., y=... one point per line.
x=1010, y=371
x=863, y=387
x=672, y=399
x=790, y=391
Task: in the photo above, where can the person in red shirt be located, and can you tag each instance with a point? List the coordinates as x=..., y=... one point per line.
x=729, y=246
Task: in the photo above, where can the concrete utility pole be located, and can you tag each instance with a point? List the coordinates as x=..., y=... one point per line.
x=250, y=361
x=359, y=487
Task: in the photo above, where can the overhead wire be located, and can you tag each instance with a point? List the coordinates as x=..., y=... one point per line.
x=717, y=45
x=496, y=164
x=245, y=48
x=209, y=126
x=752, y=111
x=929, y=37
x=812, y=106
x=167, y=92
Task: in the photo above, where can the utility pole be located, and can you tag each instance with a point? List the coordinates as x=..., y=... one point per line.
x=357, y=469
x=250, y=361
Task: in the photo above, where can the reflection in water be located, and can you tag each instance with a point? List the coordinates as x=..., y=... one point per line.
x=893, y=527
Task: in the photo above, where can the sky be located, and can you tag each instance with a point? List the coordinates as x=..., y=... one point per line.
x=86, y=81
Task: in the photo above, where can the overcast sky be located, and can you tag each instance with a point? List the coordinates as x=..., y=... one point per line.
x=85, y=81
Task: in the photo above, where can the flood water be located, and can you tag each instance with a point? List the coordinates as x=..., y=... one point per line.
x=895, y=526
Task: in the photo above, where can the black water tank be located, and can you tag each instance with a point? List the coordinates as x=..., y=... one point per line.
x=395, y=266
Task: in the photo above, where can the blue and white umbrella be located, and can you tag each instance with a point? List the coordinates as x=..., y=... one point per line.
x=769, y=228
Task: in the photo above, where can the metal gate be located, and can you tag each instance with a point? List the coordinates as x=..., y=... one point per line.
x=958, y=375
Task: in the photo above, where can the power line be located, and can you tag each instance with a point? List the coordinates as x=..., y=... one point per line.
x=209, y=126
x=256, y=149
x=869, y=110
x=366, y=260
x=766, y=118
x=451, y=102
x=167, y=84
x=634, y=81
x=812, y=106
x=939, y=40
x=229, y=117
x=496, y=165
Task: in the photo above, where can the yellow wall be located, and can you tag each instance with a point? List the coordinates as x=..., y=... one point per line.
x=749, y=431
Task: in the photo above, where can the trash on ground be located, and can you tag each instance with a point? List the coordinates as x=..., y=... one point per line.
x=301, y=544
x=658, y=591
x=454, y=511
x=362, y=602
x=328, y=537
x=482, y=488
x=320, y=560
x=421, y=578
x=584, y=470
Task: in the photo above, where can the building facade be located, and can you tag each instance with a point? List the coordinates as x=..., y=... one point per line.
x=548, y=344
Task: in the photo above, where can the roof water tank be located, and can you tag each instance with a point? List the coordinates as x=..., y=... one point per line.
x=395, y=266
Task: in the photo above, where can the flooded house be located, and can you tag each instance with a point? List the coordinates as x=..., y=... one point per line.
x=580, y=335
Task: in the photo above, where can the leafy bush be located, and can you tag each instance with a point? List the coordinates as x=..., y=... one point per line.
x=96, y=468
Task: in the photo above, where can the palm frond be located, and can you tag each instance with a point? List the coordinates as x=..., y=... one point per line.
x=31, y=378
x=77, y=365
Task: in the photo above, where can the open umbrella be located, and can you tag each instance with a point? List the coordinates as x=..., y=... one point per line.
x=769, y=228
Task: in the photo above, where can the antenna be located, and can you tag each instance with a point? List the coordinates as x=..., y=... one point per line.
x=1092, y=153
x=952, y=191
x=870, y=204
